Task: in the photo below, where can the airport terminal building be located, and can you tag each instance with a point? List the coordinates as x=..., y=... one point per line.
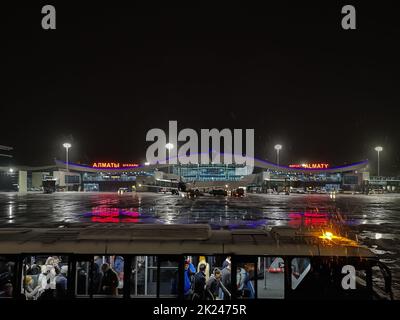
x=264, y=176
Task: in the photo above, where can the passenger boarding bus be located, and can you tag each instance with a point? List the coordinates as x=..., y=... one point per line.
x=187, y=262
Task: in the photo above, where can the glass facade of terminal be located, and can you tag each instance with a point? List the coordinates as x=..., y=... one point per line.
x=108, y=177
x=210, y=172
x=105, y=181
x=322, y=177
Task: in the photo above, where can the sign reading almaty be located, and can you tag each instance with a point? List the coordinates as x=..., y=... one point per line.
x=114, y=165
x=189, y=152
x=318, y=165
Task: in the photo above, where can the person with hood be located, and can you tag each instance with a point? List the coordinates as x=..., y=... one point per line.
x=214, y=285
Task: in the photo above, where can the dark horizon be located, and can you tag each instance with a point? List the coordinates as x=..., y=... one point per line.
x=108, y=74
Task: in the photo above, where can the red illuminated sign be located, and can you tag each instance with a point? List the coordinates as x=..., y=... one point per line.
x=319, y=165
x=113, y=165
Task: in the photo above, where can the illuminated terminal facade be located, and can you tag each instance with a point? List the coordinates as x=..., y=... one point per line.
x=263, y=176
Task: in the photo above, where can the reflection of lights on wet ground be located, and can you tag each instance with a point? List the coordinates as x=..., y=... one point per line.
x=378, y=236
x=10, y=213
x=112, y=215
x=169, y=219
x=298, y=219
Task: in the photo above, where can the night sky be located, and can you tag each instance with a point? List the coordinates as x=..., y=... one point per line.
x=109, y=73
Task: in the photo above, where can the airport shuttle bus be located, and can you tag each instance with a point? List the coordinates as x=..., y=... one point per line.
x=187, y=262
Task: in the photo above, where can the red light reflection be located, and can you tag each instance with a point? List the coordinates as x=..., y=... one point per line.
x=309, y=219
x=102, y=214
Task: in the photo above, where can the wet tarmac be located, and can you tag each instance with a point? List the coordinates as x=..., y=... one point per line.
x=374, y=218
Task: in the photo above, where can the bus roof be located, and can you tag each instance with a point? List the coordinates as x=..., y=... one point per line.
x=148, y=239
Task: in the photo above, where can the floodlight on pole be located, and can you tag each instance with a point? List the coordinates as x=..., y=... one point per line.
x=278, y=148
x=66, y=145
x=378, y=149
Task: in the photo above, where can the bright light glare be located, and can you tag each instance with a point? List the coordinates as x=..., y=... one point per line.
x=378, y=148
x=169, y=146
x=67, y=145
x=278, y=147
x=329, y=235
x=378, y=236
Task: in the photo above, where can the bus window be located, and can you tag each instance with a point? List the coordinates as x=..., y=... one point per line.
x=300, y=268
x=144, y=276
x=382, y=281
x=270, y=278
x=45, y=277
x=82, y=278
x=207, y=278
x=245, y=280
x=169, y=278
x=108, y=276
x=7, y=271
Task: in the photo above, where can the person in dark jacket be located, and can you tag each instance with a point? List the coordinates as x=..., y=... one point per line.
x=226, y=282
x=109, y=281
x=200, y=283
x=214, y=284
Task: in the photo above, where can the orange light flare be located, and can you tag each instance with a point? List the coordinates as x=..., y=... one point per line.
x=328, y=237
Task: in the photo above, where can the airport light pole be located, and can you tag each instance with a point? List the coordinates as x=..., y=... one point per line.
x=378, y=149
x=277, y=147
x=66, y=146
x=169, y=147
